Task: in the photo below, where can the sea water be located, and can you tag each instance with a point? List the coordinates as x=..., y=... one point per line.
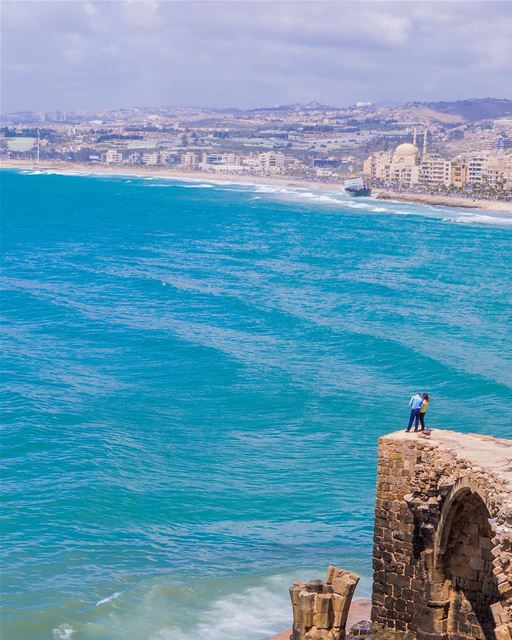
x=195, y=377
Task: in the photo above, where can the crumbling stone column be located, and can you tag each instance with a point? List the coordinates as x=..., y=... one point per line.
x=320, y=609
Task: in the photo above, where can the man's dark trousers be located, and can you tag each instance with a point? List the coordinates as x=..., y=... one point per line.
x=414, y=417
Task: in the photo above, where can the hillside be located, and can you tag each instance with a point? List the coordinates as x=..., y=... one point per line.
x=470, y=110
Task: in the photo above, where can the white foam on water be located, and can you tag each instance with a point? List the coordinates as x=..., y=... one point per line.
x=254, y=614
x=63, y=632
x=112, y=597
x=199, y=186
x=158, y=186
x=481, y=218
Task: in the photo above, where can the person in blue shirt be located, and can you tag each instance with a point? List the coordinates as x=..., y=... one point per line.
x=416, y=402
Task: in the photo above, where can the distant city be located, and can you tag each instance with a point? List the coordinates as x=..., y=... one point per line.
x=462, y=147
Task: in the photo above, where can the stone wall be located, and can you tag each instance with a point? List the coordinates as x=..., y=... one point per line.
x=443, y=543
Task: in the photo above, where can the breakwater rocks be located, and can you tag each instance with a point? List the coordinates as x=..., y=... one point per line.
x=443, y=536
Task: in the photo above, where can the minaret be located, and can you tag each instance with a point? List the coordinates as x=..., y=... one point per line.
x=414, y=137
x=38, y=145
x=424, y=154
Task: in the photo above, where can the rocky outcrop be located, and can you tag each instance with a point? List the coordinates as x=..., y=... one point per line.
x=320, y=609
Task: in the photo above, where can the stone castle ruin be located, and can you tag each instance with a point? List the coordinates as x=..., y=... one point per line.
x=442, y=554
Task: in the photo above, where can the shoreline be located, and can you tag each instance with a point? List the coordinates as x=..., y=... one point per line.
x=178, y=174
x=284, y=181
x=444, y=200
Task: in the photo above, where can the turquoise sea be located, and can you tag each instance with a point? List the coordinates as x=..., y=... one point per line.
x=195, y=376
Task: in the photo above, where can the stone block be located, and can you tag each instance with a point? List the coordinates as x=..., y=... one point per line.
x=502, y=632
x=323, y=612
x=344, y=582
x=307, y=603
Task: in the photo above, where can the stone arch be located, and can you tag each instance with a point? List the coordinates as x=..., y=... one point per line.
x=463, y=584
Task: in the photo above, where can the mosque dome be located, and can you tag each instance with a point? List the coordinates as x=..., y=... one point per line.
x=406, y=149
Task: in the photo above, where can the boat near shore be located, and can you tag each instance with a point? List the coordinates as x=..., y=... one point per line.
x=357, y=187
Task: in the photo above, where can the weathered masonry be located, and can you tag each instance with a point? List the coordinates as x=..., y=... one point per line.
x=320, y=609
x=443, y=536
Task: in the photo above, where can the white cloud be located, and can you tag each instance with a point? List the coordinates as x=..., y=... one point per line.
x=245, y=53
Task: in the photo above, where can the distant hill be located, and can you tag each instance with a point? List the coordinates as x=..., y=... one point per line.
x=470, y=110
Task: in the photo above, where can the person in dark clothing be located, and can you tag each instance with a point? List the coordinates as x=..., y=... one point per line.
x=416, y=402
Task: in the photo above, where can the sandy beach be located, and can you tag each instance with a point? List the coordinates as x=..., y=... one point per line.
x=159, y=172
x=359, y=610
x=284, y=181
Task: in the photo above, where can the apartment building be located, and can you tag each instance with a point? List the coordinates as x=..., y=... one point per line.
x=113, y=157
x=271, y=162
x=459, y=174
x=435, y=170
x=156, y=158
x=475, y=167
x=190, y=160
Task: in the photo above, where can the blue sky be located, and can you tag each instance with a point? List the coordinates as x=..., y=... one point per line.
x=73, y=54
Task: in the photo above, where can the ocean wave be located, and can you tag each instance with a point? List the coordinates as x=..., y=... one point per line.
x=158, y=186
x=199, y=186
x=254, y=614
x=114, y=596
x=480, y=218
x=63, y=632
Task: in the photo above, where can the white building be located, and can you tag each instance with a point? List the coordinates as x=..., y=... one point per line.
x=435, y=170
x=475, y=167
x=325, y=173
x=113, y=157
x=271, y=162
x=134, y=158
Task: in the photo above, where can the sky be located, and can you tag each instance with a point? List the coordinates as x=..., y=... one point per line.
x=74, y=54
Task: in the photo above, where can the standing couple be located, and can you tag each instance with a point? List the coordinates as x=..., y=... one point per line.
x=419, y=406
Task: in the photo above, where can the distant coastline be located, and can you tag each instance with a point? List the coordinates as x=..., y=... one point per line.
x=285, y=181
x=443, y=200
